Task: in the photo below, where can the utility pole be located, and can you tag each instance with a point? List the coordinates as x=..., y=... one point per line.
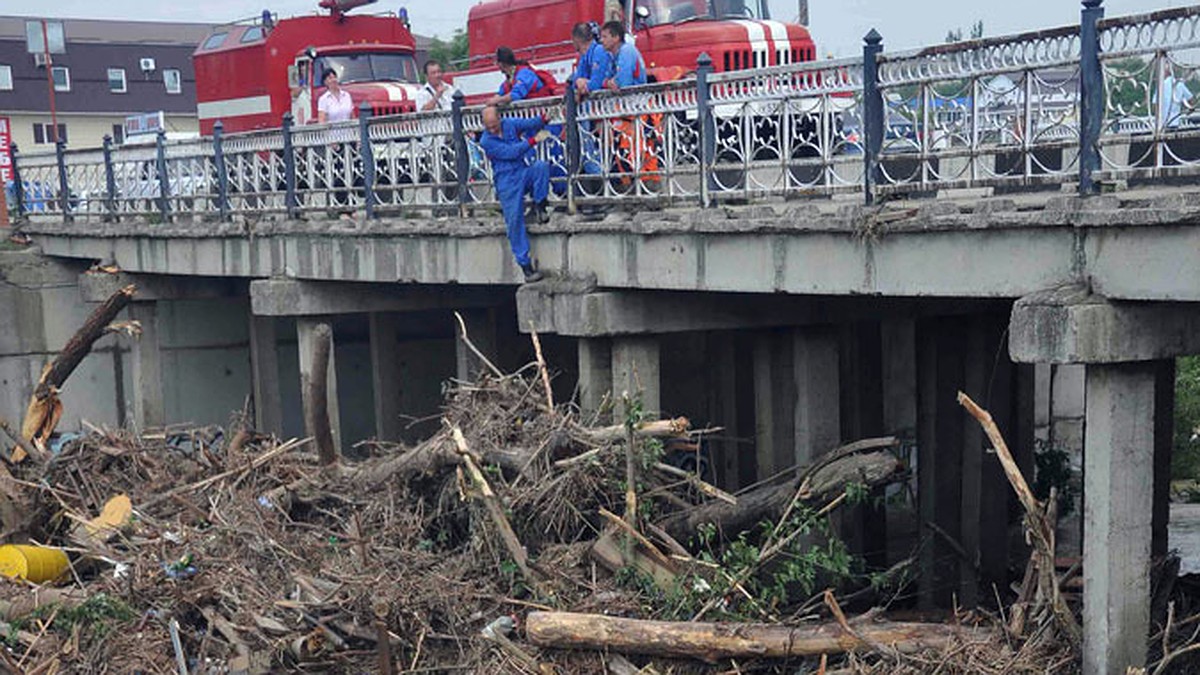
x=50, y=81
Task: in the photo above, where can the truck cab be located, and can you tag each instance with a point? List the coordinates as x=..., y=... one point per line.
x=249, y=73
x=671, y=35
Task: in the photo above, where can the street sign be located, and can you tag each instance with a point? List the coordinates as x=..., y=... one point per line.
x=36, y=38
x=6, y=169
x=145, y=123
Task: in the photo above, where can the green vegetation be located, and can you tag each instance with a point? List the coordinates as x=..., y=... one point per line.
x=975, y=33
x=1185, y=460
x=452, y=53
x=1053, y=471
x=95, y=617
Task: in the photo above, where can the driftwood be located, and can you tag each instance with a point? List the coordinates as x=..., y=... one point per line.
x=656, y=429
x=44, y=411
x=1039, y=527
x=715, y=641
x=816, y=484
x=316, y=399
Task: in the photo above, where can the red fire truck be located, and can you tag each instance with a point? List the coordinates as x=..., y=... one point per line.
x=671, y=34
x=248, y=74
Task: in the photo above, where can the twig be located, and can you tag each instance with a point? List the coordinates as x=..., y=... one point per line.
x=637, y=536
x=177, y=643
x=386, y=665
x=462, y=327
x=700, y=484
x=254, y=464
x=21, y=442
x=537, y=350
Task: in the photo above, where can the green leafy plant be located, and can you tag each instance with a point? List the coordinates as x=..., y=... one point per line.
x=1053, y=470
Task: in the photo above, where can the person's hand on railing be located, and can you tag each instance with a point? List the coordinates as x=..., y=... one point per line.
x=539, y=137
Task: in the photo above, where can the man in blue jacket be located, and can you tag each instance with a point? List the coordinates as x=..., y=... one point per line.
x=510, y=144
x=594, y=61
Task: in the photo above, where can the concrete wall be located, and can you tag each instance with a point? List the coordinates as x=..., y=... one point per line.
x=84, y=131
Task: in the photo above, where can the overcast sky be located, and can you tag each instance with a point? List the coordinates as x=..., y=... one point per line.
x=837, y=25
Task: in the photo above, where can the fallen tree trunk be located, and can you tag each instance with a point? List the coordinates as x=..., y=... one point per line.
x=44, y=411
x=656, y=429
x=714, y=641
x=814, y=485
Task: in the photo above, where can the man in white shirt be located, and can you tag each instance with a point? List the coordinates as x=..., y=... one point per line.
x=335, y=105
x=436, y=94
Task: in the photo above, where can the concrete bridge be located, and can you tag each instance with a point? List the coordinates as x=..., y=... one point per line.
x=1052, y=280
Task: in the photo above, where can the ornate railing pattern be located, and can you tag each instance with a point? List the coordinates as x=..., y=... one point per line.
x=1107, y=99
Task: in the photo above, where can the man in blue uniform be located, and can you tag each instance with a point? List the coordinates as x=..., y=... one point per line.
x=594, y=61
x=629, y=68
x=521, y=81
x=634, y=137
x=510, y=144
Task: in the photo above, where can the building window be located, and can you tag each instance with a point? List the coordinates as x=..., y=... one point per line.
x=118, y=134
x=43, y=133
x=173, y=81
x=116, y=81
x=6, y=78
x=62, y=78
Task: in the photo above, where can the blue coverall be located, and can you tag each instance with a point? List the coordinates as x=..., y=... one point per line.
x=594, y=66
x=514, y=175
x=628, y=67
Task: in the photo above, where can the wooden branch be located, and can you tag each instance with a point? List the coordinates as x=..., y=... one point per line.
x=656, y=429
x=545, y=372
x=462, y=327
x=1038, y=523
x=701, y=485
x=816, y=485
x=22, y=443
x=492, y=503
x=316, y=399
x=81, y=342
x=712, y=642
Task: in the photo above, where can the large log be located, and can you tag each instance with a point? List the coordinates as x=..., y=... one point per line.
x=813, y=485
x=316, y=395
x=714, y=641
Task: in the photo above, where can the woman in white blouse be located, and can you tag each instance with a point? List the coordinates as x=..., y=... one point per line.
x=335, y=105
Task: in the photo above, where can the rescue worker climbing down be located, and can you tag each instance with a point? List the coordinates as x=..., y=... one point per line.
x=510, y=145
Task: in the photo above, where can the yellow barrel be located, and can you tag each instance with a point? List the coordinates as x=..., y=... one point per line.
x=38, y=564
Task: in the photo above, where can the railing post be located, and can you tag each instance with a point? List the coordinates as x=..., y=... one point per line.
x=462, y=158
x=367, y=156
x=708, y=129
x=64, y=190
x=873, y=115
x=18, y=186
x=110, y=183
x=571, y=122
x=222, y=175
x=164, y=183
x=289, y=168
x=1091, y=95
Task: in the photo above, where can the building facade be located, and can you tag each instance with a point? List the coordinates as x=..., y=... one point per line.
x=108, y=71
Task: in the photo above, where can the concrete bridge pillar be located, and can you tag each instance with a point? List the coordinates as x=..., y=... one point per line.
x=636, y=367
x=386, y=374
x=264, y=373
x=148, y=403
x=1128, y=350
x=595, y=375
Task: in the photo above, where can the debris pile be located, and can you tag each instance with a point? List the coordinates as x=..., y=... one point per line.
x=519, y=538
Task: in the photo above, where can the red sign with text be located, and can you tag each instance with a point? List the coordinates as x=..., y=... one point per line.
x=6, y=169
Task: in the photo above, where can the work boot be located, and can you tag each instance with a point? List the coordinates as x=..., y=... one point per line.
x=542, y=210
x=531, y=274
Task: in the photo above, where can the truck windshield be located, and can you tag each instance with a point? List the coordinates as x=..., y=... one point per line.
x=370, y=67
x=675, y=11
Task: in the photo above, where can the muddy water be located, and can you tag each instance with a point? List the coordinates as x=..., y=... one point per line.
x=1185, y=536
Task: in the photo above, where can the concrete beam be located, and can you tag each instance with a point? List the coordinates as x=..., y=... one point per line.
x=1070, y=325
x=99, y=286
x=291, y=297
x=1118, y=502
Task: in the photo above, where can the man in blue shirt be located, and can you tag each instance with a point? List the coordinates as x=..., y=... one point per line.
x=628, y=66
x=594, y=61
x=521, y=81
x=509, y=144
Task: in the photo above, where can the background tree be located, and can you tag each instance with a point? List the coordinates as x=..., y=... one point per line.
x=451, y=53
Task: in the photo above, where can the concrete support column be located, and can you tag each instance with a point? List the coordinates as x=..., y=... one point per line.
x=898, y=342
x=774, y=403
x=148, y=406
x=304, y=334
x=797, y=392
x=385, y=374
x=635, y=366
x=1164, y=445
x=1119, y=485
x=481, y=329
x=264, y=371
x=595, y=375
